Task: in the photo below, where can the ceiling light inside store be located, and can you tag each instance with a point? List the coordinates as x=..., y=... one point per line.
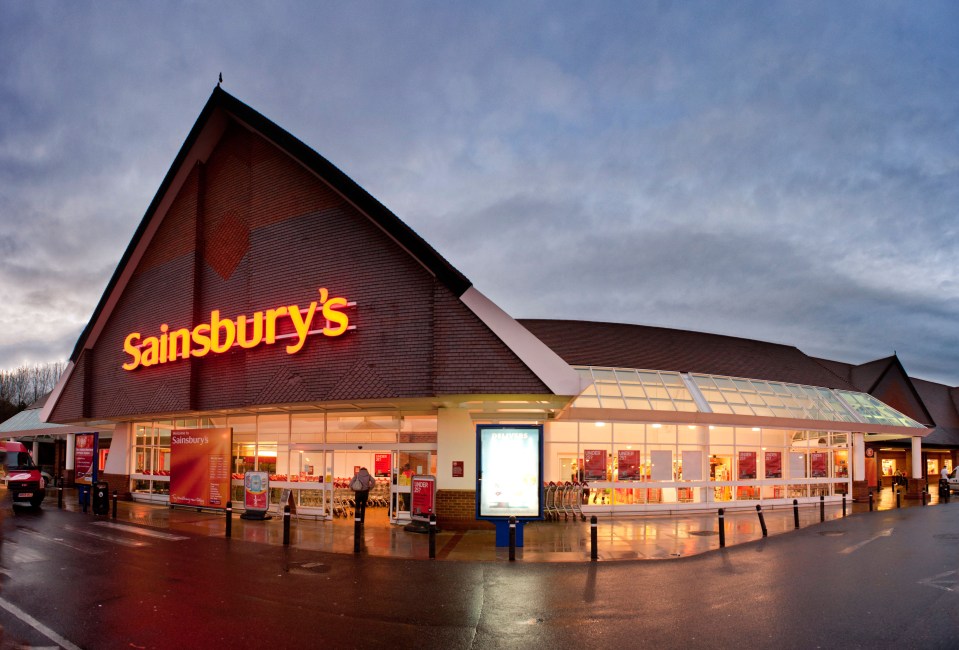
x=601, y=424
x=657, y=426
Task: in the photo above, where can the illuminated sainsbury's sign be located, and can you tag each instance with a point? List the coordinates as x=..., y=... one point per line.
x=220, y=334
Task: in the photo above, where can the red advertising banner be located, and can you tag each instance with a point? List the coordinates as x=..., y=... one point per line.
x=774, y=464
x=817, y=464
x=628, y=461
x=595, y=462
x=381, y=465
x=747, y=465
x=423, y=488
x=200, y=467
x=84, y=457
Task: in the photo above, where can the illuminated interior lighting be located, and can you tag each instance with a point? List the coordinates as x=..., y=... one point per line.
x=657, y=426
x=601, y=424
x=755, y=428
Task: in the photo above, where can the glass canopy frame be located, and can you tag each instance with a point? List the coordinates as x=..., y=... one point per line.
x=658, y=390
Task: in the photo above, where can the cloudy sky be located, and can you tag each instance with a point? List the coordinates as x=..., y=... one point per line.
x=786, y=172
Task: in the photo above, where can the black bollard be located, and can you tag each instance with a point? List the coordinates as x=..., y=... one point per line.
x=822, y=508
x=593, y=554
x=924, y=495
x=114, y=504
x=762, y=520
x=796, y=513
x=844, y=505
x=229, y=519
x=432, y=536
x=357, y=532
x=85, y=497
x=286, y=525
x=60, y=497
x=722, y=528
x=898, y=498
x=512, y=538
x=870, y=502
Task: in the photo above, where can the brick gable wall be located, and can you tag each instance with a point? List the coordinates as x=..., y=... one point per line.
x=271, y=234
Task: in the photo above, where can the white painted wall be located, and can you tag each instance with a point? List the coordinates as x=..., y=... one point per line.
x=118, y=460
x=456, y=440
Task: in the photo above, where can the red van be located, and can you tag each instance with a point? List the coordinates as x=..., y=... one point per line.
x=20, y=475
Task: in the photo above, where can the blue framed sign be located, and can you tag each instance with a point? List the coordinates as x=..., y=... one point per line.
x=509, y=478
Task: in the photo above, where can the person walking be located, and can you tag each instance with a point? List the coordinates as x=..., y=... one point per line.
x=361, y=484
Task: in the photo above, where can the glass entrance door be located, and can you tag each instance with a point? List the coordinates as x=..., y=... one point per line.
x=406, y=465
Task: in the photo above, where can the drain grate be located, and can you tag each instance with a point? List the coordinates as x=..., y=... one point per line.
x=703, y=533
x=832, y=533
x=948, y=536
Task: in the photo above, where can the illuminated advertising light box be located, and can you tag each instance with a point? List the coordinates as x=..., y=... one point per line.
x=200, y=467
x=509, y=481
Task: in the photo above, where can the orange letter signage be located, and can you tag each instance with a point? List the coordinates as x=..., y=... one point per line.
x=218, y=335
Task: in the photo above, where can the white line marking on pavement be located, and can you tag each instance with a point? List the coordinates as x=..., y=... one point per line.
x=108, y=538
x=37, y=625
x=940, y=581
x=57, y=540
x=856, y=547
x=136, y=530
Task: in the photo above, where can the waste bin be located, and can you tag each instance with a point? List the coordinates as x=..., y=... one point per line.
x=101, y=498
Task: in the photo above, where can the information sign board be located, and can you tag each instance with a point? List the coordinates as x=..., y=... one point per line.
x=84, y=458
x=200, y=467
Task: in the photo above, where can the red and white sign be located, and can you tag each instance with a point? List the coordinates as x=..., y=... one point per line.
x=747, y=465
x=774, y=464
x=423, y=490
x=84, y=453
x=628, y=460
x=817, y=464
x=381, y=465
x=595, y=462
x=200, y=467
x=458, y=469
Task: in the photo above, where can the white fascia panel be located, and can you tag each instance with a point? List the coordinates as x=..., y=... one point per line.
x=558, y=375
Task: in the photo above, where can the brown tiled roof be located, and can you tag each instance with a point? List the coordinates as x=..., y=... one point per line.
x=939, y=401
x=584, y=343
x=866, y=375
x=842, y=370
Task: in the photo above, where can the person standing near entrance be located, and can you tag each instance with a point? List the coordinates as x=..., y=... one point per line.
x=361, y=484
x=943, y=481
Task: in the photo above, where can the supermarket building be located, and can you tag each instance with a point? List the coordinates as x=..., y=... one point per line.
x=266, y=293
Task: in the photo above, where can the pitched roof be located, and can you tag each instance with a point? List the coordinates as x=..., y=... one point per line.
x=585, y=343
x=202, y=137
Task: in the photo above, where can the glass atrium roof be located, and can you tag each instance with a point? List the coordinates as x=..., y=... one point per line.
x=656, y=390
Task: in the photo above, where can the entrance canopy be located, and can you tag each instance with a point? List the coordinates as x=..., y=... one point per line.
x=695, y=398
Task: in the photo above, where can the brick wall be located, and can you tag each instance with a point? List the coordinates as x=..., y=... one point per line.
x=252, y=229
x=457, y=509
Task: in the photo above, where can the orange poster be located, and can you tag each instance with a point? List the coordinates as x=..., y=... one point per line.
x=200, y=467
